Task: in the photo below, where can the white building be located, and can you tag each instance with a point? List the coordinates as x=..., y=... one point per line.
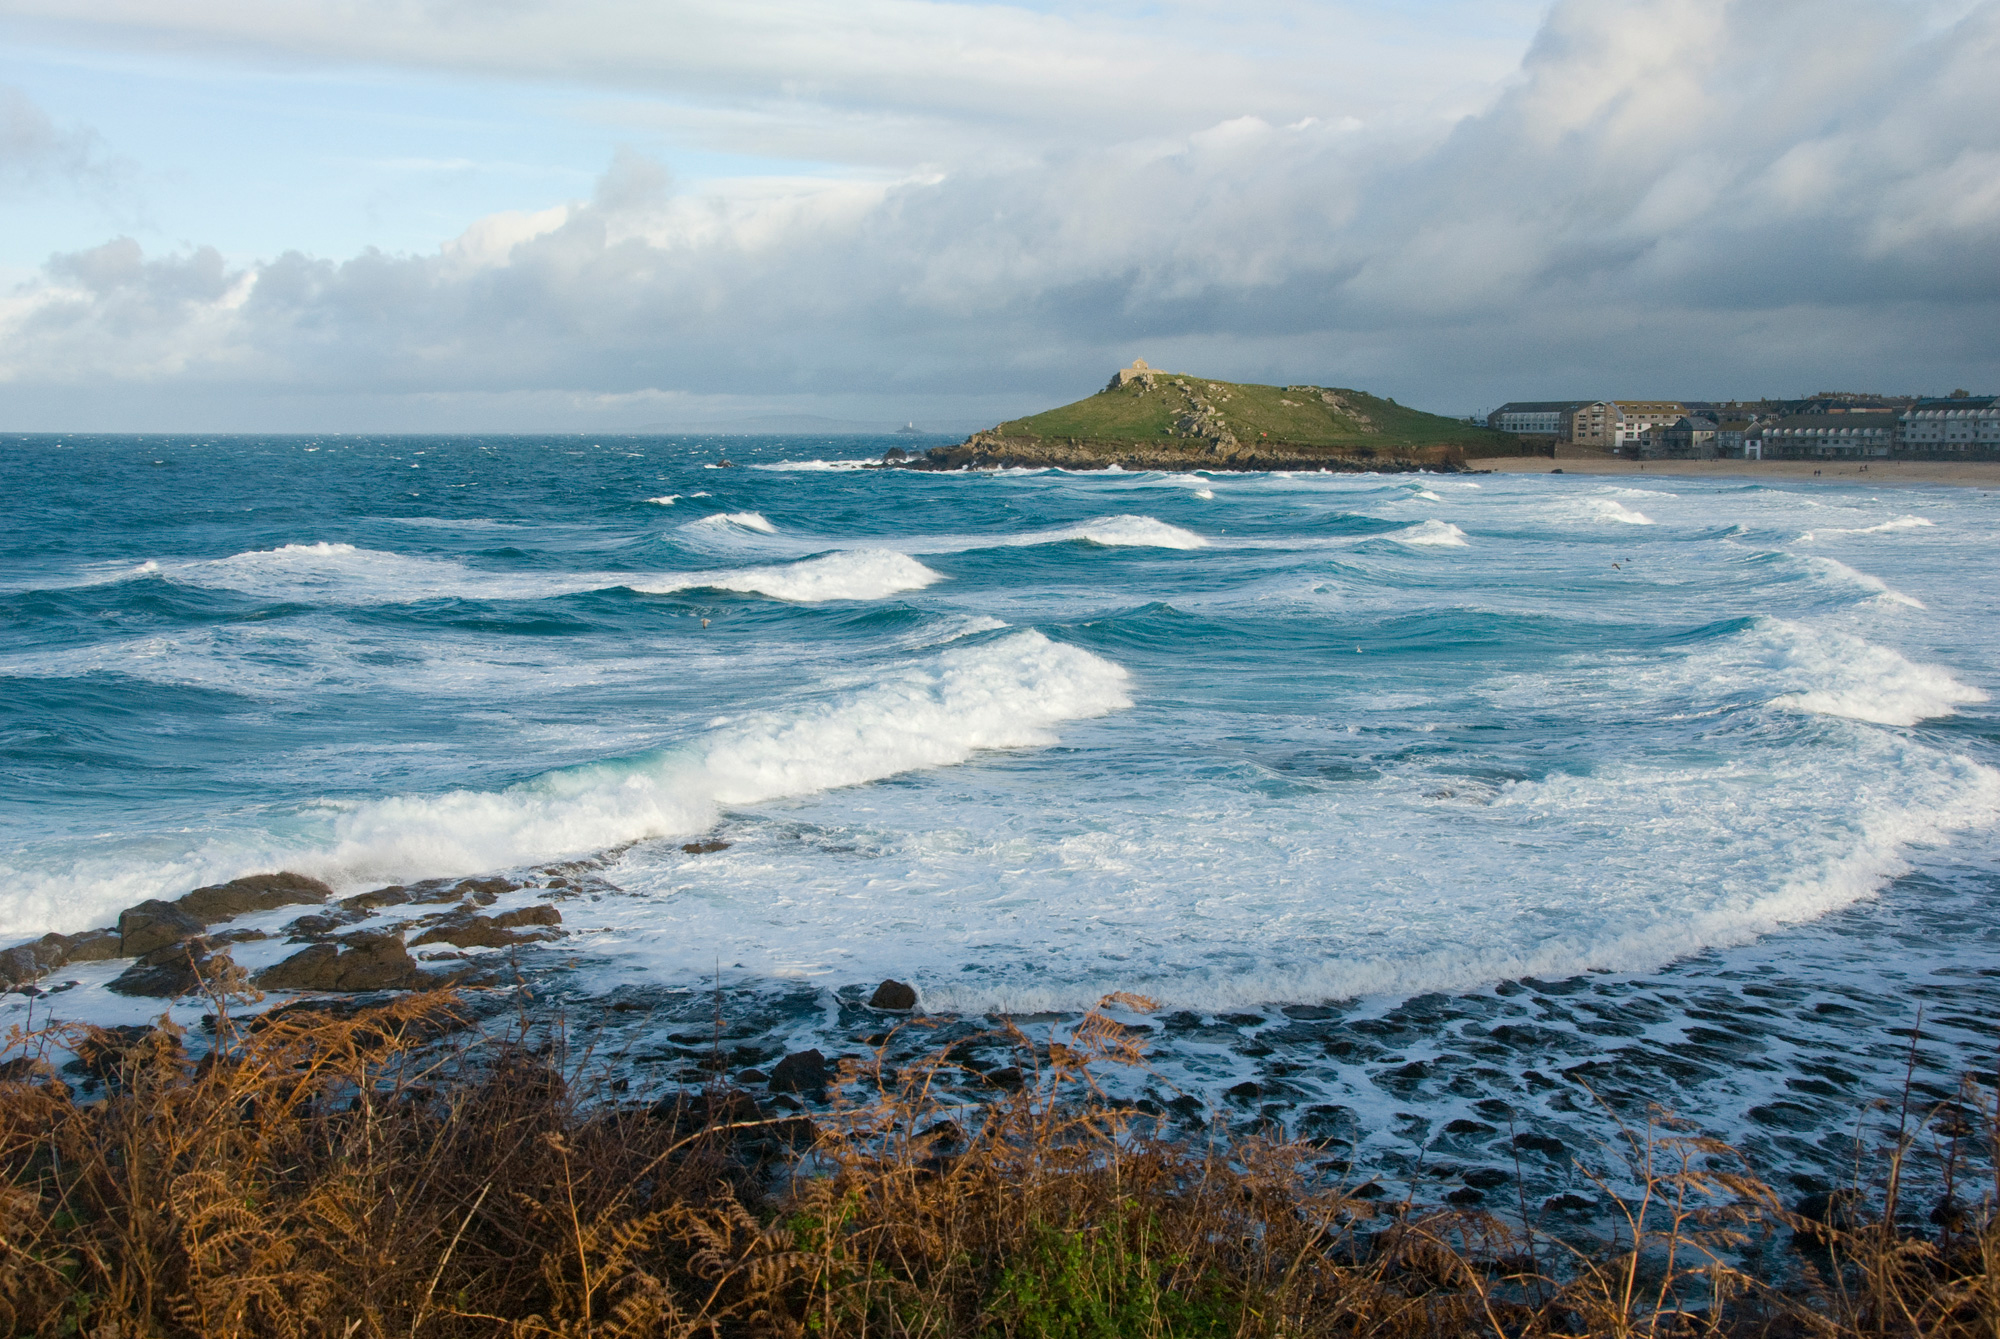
x=1957, y=424
x=1822, y=437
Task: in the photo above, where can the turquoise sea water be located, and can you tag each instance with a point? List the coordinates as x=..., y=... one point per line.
x=1235, y=742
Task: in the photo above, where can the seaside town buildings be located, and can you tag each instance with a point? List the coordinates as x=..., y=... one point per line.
x=1829, y=426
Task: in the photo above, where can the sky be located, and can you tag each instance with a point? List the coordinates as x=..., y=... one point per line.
x=629, y=215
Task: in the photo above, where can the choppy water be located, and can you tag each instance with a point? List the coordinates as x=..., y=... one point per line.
x=1235, y=742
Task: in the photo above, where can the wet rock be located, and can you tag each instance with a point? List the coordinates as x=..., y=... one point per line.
x=1485, y=1178
x=1546, y=1145
x=705, y=848
x=362, y=961
x=893, y=996
x=469, y=930
x=800, y=1072
x=393, y=896
x=90, y=946
x=321, y=924
x=1246, y=1091
x=1010, y=1077
x=173, y=970
x=153, y=925
x=255, y=892
x=1569, y=1202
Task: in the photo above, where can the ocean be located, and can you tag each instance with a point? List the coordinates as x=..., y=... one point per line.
x=1429, y=809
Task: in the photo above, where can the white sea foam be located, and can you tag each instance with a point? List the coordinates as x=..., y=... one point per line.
x=1012, y=693
x=1840, y=572
x=1431, y=534
x=666, y=501
x=854, y=574
x=344, y=574
x=1886, y=527
x=816, y=466
x=1610, y=509
x=1841, y=675
x=1105, y=532
x=740, y=520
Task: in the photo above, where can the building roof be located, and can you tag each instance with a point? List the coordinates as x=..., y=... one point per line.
x=1956, y=402
x=1857, y=422
x=1540, y=406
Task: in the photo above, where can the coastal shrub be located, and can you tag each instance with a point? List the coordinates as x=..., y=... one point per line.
x=398, y=1171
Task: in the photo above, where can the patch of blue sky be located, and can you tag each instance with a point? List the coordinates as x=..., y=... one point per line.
x=260, y=158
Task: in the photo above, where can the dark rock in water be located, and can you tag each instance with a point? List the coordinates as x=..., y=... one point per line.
x=363, y=961
x=393, y=896
x=153, y=925
x=894, y=455
x=1834, y=1208
x=894, y=996
x=800, y=1072
x=1544, y=1144
x=321, y=924
x=255, y=892
x=1485, y=1178
x=1569, y=1202
x=1007, y=1076
x=704, y=848
x=753, y=1076
x=25, y=963
x=173, y=970
x=1246, y=1091
x=90, y=946
x=468, y=930
x=20, y=965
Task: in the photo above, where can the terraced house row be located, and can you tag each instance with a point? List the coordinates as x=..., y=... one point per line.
x=1830, y=426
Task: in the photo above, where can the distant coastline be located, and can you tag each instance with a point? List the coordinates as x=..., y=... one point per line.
x=1887, y=473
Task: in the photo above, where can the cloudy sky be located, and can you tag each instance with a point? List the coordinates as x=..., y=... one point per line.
x=611, y=214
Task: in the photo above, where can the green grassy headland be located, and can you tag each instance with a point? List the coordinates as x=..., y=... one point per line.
x=1175, y=421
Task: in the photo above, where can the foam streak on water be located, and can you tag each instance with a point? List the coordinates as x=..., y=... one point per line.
x=1022, y=737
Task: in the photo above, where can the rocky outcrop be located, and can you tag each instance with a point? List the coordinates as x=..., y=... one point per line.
x=990, y=450
x=181, y=968
x=894, y=996
x=466, y=929
x=255, y=892
x=801, y=1072
x=365, y=960
x=25, y=963
x=154, y=925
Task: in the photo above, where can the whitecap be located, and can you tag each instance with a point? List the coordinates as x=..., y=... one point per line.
x=1008, y=694
x=855, y=574
x=1899, y=523
x=1431, y=534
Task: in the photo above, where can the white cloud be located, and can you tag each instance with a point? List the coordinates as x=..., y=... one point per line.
x=1688, y=196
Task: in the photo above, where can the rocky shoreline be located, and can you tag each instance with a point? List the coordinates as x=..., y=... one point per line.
x=990, y=450
x=176, y=950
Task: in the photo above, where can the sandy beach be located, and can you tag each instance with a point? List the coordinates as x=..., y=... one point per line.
x=1964, y=474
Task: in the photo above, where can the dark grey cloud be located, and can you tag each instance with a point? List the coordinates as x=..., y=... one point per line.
x=1673, y=196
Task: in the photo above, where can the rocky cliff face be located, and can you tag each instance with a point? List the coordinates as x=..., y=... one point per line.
x=991, y=450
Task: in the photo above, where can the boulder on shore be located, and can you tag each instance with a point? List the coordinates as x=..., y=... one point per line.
x=153, y=925
x=366, y=960
x=467, y=929
x=253, y=892
x=800, y=1072
x=173, y=970
x=894, y=997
